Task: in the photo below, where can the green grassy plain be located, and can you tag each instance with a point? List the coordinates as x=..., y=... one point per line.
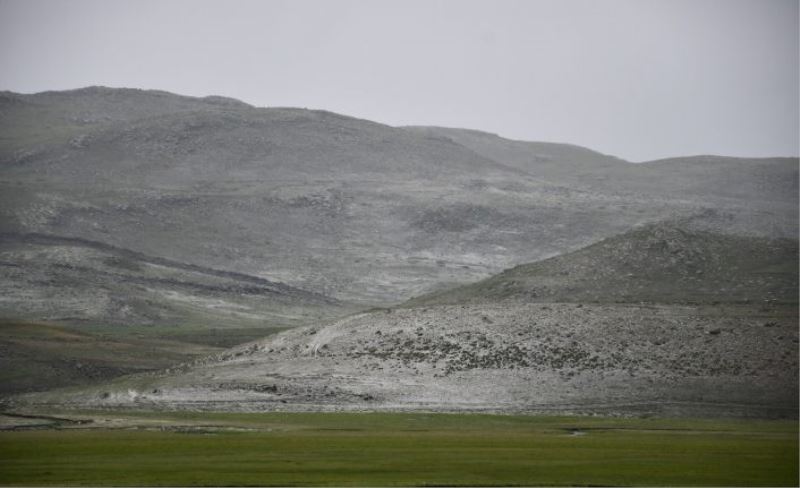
x=401, y=450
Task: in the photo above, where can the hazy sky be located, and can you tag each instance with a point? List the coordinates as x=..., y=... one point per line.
x=640, y=79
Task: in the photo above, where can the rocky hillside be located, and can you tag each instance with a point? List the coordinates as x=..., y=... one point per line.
x=493, y=347
x=665, y=287
x=656, y=263
x=704, y=178
x=610, y=359
x=82, y=282
x=347, y=208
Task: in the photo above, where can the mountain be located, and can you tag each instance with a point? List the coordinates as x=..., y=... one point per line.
x=347, y=208
x=493, y=347
x=755, y=196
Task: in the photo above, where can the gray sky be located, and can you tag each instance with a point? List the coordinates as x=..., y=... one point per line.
x=640, y=79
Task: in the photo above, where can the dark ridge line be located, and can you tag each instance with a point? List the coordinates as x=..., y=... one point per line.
x=50, y=239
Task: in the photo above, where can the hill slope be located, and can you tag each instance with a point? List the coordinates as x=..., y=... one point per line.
x=656, y=263
x=750, y=195
x=78, y=281
x=488, y=347
x=340, y=206
x=710, y=178
x=347, y=208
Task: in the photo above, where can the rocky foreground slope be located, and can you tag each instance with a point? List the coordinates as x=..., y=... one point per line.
x=714, y=353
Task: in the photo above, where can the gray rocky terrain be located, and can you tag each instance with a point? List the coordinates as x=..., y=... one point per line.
x=347, y=208
x=116, y=286
x=495, y=346
x=531, y=276
x=668, y=262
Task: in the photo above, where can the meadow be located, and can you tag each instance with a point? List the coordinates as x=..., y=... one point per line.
x=379, y=449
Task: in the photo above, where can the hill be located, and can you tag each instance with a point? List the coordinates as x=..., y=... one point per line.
x=655, y=263
x=493, y=347
x=336, y=205
x=707, y=178
x=343, y=207
x=78, y=281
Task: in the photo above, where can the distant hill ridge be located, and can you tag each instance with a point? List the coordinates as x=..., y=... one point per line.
x=101, y=100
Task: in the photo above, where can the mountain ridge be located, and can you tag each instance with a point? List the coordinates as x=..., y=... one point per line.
x=265, y=189
x=221, y=100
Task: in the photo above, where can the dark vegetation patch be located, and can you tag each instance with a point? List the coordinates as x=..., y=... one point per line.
x=38, y=357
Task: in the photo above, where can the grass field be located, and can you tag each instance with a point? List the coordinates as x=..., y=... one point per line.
x=400, y=449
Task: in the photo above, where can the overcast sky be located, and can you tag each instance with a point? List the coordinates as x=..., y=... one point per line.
x=639, y=79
